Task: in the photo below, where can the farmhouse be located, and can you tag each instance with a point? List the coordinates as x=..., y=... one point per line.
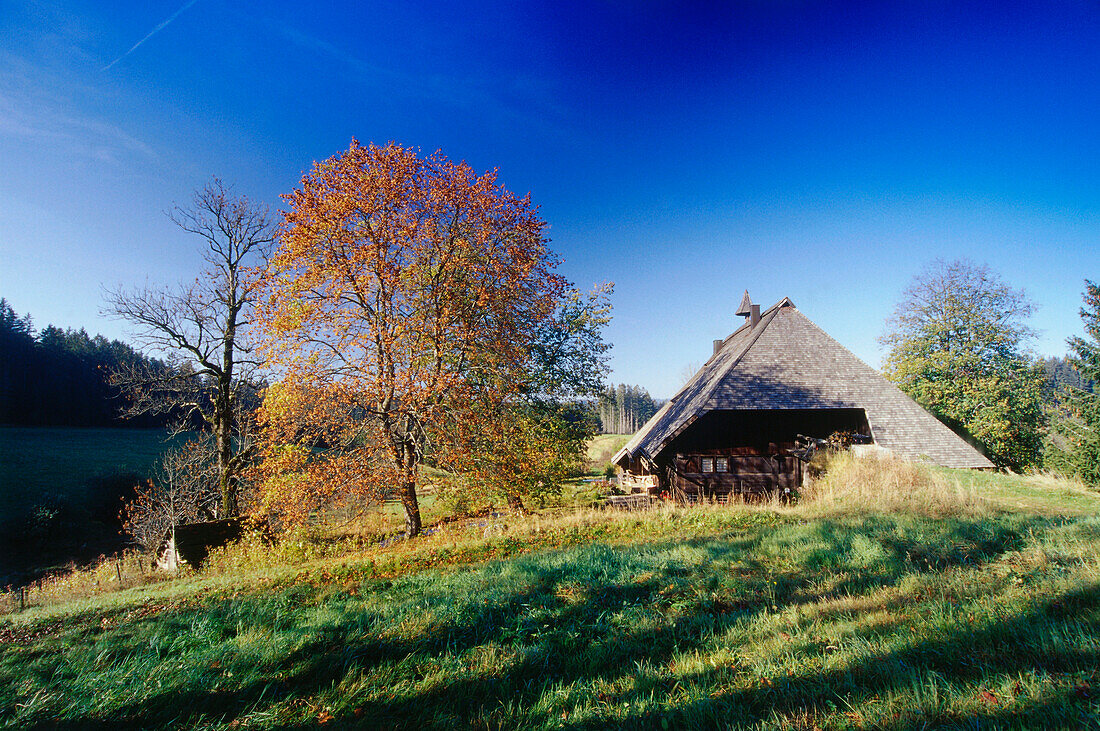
x=730, y=430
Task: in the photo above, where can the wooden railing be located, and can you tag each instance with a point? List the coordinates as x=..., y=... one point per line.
x=638, y=483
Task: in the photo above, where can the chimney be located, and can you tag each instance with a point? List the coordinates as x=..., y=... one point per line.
x=717, y=346
x=754, y=316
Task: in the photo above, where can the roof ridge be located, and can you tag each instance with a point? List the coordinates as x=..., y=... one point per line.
x=706, y=391
x=705, y=395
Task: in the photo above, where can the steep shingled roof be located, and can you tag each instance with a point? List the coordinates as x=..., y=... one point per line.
x=788, y=362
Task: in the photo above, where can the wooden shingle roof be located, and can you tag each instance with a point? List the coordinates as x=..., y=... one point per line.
x=788, y=362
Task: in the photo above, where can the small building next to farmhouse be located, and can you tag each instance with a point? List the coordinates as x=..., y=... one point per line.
x=188, y=545
x=730, y=430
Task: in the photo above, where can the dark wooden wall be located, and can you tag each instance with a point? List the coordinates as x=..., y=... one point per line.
x=756, y=445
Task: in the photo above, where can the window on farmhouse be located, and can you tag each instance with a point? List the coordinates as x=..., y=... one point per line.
x=707, y=464
x=721, y=464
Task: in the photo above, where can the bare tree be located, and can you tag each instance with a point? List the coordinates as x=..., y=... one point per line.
x=202, y=330
x=182, y=491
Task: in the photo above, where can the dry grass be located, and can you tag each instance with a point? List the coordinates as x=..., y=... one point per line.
x=105, y=576
x=885, y=484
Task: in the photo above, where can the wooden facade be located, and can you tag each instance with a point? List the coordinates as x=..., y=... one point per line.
x=744, y=472
x=738, y=453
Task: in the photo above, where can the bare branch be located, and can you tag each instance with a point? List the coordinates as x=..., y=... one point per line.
x=202, y=329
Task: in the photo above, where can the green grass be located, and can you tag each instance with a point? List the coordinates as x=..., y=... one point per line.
x=70, y=464
x=602, y=448
x=742, y=617
x=1032, y=493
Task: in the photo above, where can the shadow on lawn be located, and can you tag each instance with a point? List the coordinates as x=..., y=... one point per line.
x=586, y=643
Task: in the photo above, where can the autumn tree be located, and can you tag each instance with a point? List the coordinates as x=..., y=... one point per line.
x=408, y=295
x=957, y=344
x=1075, y=440
x=525, y=441
x=202, y=330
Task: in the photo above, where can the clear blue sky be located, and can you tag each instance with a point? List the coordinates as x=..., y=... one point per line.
x=821, y=151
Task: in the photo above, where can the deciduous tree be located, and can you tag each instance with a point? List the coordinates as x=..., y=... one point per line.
x=184, y=490
x=408, y=293
x=203, y=332
x=957, y=344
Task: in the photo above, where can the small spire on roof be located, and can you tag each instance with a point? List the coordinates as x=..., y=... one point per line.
x=745, y=308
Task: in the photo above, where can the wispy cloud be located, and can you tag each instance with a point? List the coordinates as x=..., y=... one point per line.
x=32, y=108
x=510, y=96
x=161, y=26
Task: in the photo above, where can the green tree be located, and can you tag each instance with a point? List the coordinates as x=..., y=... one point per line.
x=1074, y=446
x=957, y=343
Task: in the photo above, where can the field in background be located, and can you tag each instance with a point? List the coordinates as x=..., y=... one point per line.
x=61, y=491
x=602, y=448
x=55, y=463
x=897, y=596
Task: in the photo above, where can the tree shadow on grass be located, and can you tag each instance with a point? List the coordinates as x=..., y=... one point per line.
x=562, y=628
x=993, y=653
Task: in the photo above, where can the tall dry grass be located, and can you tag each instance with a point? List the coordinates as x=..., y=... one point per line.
x=883, y=483
x=107, y=575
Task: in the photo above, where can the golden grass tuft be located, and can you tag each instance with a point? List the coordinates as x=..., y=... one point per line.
x=886, y=484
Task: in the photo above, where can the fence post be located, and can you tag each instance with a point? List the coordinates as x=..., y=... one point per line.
x=21, y=599
x=118, y=571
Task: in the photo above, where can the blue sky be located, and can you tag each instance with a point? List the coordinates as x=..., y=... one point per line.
x=820, y=151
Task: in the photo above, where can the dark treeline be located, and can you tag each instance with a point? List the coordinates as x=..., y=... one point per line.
x=623, y=409
x=59, y=377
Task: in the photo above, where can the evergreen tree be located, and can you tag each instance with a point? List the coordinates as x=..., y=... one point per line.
x=623, y=409
x=59, y=377
x=1075, y=440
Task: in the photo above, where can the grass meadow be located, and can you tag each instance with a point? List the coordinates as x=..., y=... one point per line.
x=602, y=448
x=893, y=596
x=49, y=463
x=61, y=492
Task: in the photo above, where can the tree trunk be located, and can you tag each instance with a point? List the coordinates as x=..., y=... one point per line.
x=227, y=483
x=412, y=508
x=515, y=504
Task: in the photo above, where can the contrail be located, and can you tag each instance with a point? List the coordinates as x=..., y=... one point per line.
x=152, y=33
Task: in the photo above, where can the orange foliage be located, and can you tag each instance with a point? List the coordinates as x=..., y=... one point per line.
x=404, y=289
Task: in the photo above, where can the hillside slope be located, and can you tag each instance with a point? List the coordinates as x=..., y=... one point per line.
x=817, y=616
